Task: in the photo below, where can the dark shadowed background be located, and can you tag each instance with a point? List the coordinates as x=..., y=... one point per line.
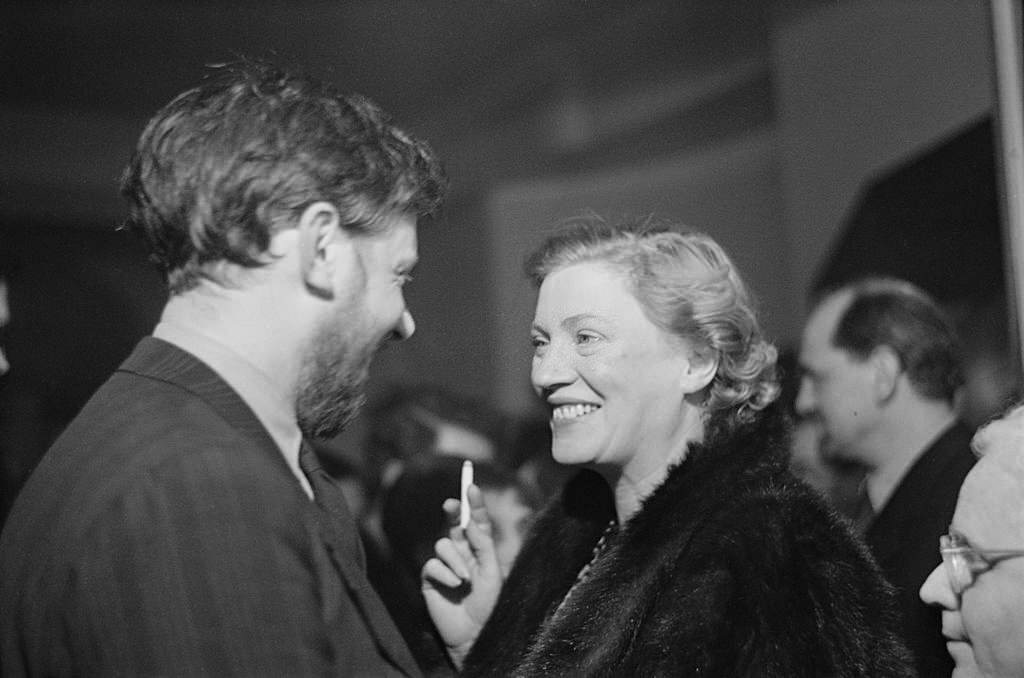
x=816, y=139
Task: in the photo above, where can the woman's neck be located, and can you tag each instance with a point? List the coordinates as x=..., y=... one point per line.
x=649, y=468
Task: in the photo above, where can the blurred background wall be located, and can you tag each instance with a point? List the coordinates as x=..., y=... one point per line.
x=761, y=122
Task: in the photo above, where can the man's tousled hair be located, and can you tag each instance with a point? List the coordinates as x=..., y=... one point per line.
x=227, y=164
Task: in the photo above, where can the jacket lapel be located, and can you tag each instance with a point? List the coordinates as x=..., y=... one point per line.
x=159, y=359
x=905, y=506
x=378, y=620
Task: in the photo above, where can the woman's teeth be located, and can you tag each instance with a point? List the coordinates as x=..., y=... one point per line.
x=563, y=412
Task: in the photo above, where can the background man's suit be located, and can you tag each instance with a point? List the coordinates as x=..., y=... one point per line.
x=904, y=538
x=181, y=537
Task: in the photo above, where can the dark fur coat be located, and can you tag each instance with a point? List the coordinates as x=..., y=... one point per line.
x=731, y=568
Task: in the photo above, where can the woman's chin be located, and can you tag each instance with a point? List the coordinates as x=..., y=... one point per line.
x=570, y=455
x=568, y=458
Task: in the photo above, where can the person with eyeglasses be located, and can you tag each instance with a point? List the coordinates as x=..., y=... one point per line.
x=980, y=582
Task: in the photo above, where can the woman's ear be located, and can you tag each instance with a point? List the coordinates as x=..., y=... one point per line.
x=320, y=236
x=699, y=371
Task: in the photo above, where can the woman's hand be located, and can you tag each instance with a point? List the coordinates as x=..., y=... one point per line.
x=461, y=584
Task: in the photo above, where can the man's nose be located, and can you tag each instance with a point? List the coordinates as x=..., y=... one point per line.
x=405, y=327
x=937, y=591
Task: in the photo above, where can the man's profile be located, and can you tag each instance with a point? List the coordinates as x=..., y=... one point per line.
x=181, y=524
x=881, y=368
x=979, y=585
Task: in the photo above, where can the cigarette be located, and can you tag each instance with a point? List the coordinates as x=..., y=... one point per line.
x=467, y=480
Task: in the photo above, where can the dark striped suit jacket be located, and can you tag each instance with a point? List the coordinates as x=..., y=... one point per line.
x=164, y=534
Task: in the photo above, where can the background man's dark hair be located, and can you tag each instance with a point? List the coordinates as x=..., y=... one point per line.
x=225, y=165
x=894, y=313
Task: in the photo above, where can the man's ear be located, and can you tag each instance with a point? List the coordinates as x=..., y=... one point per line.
x=699, y=372
x=320, y=237
x=886, y=368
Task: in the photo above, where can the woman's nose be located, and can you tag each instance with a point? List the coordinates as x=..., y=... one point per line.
x=551, y=368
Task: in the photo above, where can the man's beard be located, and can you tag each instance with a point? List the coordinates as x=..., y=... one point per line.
x=332, y=383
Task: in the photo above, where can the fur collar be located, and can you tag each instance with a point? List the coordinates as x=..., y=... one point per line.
x=562, y=540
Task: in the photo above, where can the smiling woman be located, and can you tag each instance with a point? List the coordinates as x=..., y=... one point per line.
x=618, y=386
x=684, y=546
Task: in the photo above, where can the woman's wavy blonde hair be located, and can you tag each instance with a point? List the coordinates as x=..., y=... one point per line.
x=687, y=286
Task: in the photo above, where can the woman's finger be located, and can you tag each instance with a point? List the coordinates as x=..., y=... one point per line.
x=451, y=508
x=454, y=556
x=436, y=572
x=479, y=538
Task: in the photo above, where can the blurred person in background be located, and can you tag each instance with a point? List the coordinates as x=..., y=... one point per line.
x=427, y=418
x=529, y=452
x=8, y=267
x=979, y=583
x=840, y=482
x=881, y=368
x=181, y=524
x=413, y=521
x=11, y=475
x=5, y=317
x=685, y=547
x=410, y=421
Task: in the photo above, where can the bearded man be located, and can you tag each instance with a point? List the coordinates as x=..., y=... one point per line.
x=180, y=525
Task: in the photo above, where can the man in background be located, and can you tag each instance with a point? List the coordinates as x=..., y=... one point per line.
x=980, y=583
x=881, y=368
x=9, y=467
x=5, y=308
x=181, y=524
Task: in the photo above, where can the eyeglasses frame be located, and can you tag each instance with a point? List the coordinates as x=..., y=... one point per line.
x=953, y=547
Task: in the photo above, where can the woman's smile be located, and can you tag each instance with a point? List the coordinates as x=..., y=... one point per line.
x=572, y=411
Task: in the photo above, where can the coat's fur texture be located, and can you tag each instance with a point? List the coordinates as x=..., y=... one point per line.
x=731, y=568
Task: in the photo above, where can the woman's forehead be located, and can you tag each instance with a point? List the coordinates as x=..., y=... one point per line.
x=588, y=288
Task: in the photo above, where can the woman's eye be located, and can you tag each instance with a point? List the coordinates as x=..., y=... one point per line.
x=537, y=341
x=586, y=338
